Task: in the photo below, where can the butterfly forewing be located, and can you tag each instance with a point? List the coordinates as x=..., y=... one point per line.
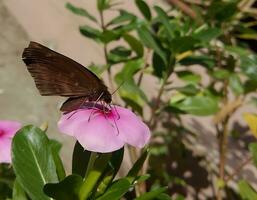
x=56, y=74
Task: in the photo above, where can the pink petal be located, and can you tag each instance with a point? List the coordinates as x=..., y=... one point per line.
x=5, y=150
x=9, y=128
x=131, y=129
x=97, y=134
x=68, y=123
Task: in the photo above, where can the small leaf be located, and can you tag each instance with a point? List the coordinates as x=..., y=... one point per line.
x=198, y=105
x=123, y=17
x=159, y=65
x=116, y=190
x=164, y=19
x=133, y=172
x=67, y=189
x=144, y=9
x=207, y=34
x=251, y=120
x=235, y=84
x=205, y=61
x=33, y=162
x=246, y=191
x=152, y=194
x=119, y=54
x=189, y=77
x=80, y=11
x=150, y=41
x=189, y=89
x=221, y=74
x=90, y=32
x=185, y=43
x=103, y=5
x=135, y=44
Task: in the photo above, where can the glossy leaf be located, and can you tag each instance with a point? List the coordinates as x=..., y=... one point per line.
x=198, y=105
x=80, y=11
x=18, y=192
x=144, y=9
x=56, y=147
x=116, y=190
x=152, y=194
x=80, y=159
x=67, y=189
x=246, y=191
x=33, y=162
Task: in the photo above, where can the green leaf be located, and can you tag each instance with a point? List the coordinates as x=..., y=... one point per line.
x=164, y=196
x=80, y=11
x=205, y=61
x=235, y=84
x=189, y=77
x=189, y=89
x=150, y=41
x=221, y=74
x=116, y=190
x=164, y=19
x=144, y=9
x=221, y=10
x=253, y=149
x=123, y=17
x=33, y=162
x=250, y=86
x=159, y=66
x=90, y=32
x=207, y=34
x=80, y=159
x=185, y=43
x=152, y=194
x=135, y=44
x=67, y=189
x=56, y=147
x=93, y=175
x=246, y=191
x=18, y=192
x=133, y=172
x=119, y=54
x=198, y=105
x=110, y=171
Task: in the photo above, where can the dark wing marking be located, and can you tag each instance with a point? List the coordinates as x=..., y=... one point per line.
x=56, y=74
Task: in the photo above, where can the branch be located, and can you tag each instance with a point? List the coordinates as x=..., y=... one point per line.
x=184, y=7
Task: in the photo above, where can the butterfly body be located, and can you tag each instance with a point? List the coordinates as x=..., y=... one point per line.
x=57, y=75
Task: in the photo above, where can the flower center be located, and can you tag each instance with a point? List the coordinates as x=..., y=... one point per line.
x=1, y=132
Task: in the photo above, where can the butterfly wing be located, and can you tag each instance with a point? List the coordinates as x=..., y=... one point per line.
x=56, y=74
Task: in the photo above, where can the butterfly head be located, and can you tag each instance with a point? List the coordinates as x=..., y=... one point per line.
x=107, y=97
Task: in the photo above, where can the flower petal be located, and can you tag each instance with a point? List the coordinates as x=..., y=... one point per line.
x=9, y=128
x=131, y=129
x=68, y=123
x=97, y=134
x=5, y=150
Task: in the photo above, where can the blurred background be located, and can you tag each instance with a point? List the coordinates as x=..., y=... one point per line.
x=50, y=23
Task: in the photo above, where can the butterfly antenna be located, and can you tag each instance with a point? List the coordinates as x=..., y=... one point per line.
x=118, y=87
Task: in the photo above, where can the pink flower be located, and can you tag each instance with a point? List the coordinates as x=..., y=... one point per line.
x=105, y=130
x=7, y=130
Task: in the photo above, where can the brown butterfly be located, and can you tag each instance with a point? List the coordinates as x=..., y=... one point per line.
x=56, y=74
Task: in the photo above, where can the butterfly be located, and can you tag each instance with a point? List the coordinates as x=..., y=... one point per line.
x=57, y=75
